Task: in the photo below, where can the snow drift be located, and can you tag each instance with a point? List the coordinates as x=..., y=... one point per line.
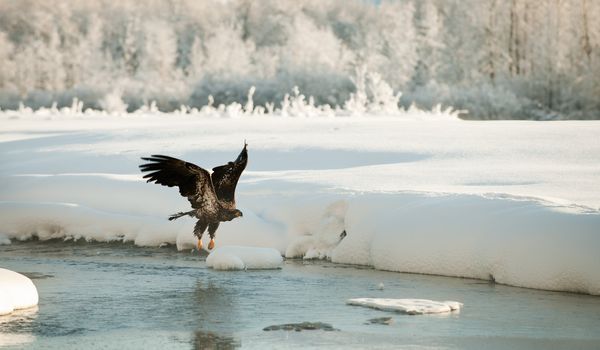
x=509, y=241
x=447, y=197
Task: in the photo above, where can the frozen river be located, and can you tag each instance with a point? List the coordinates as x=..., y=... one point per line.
x=113, y=296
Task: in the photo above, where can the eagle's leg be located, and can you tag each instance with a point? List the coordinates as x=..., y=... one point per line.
x=212, y=228
x=182, y=213
x=199, y=231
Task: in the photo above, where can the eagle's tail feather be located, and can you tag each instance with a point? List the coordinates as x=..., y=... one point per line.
x=180, y=214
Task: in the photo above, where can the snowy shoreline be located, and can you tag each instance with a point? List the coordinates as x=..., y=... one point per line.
x=518, y=243
x=513, y=202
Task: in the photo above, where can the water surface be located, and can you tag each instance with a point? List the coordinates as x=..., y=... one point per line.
x=114, y=296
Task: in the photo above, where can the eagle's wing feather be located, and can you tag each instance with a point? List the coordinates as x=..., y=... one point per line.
x=225, y=178
x=193, y=181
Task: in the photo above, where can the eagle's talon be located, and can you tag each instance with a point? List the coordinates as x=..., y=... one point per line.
x=199, y=245
x=211, y=245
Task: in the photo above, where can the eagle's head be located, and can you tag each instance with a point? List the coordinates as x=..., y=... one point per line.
x=236, y=213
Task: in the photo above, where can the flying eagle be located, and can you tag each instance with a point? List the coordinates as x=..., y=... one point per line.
x=212, y=196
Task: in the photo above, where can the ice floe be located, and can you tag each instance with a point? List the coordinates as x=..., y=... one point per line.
x=408, y=306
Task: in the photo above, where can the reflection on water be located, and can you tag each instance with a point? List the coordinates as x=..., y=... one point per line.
x=209, y=340
x=36, y=275
x=215, y=306
x=216, y=309
x=16, y=328
x=15, y=339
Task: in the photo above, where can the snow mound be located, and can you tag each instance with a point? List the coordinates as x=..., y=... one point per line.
x=16, y=292
x=242, y=258
x=408, y=306
x=519, y=243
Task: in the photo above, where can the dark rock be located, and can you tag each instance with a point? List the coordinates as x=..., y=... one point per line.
x=381, y=320
x=304, y=326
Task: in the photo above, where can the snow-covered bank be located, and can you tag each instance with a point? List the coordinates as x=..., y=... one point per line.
x=510, y=241
x=515, y=202
x=16, y=292
x=515, y=242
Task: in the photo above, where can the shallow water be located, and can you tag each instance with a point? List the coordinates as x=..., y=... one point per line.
x=113, y=296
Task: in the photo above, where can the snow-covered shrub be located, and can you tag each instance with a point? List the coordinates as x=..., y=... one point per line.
x=487, y=102
x=325, y=89
x=113, y=103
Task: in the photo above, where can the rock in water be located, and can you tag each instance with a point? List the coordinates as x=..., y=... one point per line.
x=304, y=326
x=381, y=320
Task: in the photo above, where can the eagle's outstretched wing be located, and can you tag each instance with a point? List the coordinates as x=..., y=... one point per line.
x=225, y=178
x=193, y=181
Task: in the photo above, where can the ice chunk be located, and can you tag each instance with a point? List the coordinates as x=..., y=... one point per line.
x=408, y=306
x=241, y=258
x=16, y=292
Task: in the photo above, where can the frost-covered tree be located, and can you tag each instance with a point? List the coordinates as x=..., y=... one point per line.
x=498, y=59
x=427, y=31
x=7, y=67
x=157, y=61
x=91, y=64
x=398, y=44
x=227, y=53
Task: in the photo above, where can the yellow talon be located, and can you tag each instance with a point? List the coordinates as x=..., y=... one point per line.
x=211, y=245
x=199, y=244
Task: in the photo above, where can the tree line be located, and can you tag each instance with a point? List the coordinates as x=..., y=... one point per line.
x=494, y=58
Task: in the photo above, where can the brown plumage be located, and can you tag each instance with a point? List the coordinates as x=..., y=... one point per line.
x=212, y=196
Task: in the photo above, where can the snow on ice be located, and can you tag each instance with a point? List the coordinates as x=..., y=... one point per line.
x=510, y=201
x=16, y=292
x=408, y=306
x=244, y=258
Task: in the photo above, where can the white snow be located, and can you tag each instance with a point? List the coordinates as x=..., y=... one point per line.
x=408, y=306
x=244, y=258
x=516, y=202
x=521, y=243
x=16, y=292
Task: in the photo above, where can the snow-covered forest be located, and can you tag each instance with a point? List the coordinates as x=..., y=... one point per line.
x=494, y=58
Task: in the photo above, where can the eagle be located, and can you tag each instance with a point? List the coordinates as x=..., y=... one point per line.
x=212, y=196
